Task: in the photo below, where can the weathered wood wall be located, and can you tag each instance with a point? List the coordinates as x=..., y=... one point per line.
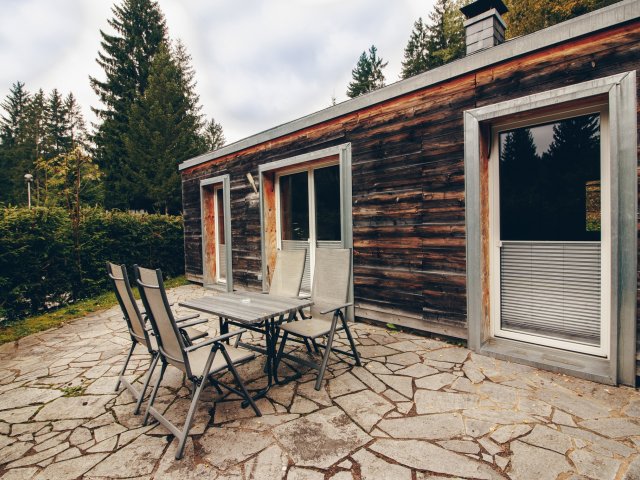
x=408, y=182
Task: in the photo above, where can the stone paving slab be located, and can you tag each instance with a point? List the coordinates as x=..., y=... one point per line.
x=418, y=408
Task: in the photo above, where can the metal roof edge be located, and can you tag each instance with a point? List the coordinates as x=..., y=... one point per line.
x=597, y=20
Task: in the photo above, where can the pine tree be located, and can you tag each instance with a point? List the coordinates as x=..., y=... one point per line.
x=77, y=128
x=164, y=128
x=14, y=155
x=36, y=142
x=367, y=75
x=528, y=16
x=416, y=52
x=213, y=135
x=56, y=126
x=126, y=57
x=446, y=33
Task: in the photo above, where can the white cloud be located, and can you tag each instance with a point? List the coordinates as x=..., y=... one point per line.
x=258, y=63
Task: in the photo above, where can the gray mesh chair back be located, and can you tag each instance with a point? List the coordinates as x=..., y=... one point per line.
x=287, y=276
x=331, y=280
x=124, y=294
x=136, y=324
x=154, y=298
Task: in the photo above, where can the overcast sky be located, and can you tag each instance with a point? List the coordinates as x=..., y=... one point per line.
x=259, y=63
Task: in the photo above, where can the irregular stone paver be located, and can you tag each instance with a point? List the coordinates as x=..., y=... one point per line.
x=549, y=438
x=22, y=397
x=225, y=447
x=136, y=459
x=612, y=427
x=70, y=469
x=595, y=466
x=73, y=407
x=528, y=462
x=366, y=408
x=417, y=408
x=374, y=468
x=426, y=456
x=270, y=463
x=321, y=438
x=428, y=427
x=428, y=401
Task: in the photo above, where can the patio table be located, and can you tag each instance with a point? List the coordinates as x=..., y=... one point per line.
x=254, y=311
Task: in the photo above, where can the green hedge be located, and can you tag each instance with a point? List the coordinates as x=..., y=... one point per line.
x=41, y=268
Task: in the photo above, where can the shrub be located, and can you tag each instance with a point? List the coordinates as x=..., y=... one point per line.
x=41, y=267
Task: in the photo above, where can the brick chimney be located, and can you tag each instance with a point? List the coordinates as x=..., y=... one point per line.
x=484, y=26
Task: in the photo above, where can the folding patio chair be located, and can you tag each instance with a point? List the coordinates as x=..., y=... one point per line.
x=138, y=330
x=330, y=293
x=198, y=362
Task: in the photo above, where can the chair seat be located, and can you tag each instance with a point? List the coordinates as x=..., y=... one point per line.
x=192, y=332
x=195, y=334
x=198, y=358
x=313, y=328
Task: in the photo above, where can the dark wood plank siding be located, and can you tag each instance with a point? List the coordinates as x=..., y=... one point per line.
x=408, y=182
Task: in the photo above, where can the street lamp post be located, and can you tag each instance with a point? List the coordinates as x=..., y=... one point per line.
x=28, y=178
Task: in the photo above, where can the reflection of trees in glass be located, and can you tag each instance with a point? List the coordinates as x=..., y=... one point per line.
x=544, y=197
x=327, y=187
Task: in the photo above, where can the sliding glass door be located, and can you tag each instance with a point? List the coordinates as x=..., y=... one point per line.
x=308, y=213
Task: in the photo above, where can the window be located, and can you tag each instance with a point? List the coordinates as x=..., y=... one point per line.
x=309, y=214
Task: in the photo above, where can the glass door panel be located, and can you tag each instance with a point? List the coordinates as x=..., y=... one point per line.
x=295, y=218
x=221, y=251
x=550, y=231
x=327, y=207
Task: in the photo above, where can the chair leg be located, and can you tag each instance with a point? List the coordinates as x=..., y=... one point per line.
x=182, y=439
x=327, y=352
x=153, y=394
x=154, y=362
x=306, y=344
x=124, y=367
x=315, y=345
x=276, y=364
x=239, y=382
x=351, y=342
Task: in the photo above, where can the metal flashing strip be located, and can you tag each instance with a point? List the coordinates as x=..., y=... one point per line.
x=601, y=19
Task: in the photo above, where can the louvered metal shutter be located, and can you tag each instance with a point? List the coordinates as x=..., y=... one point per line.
x=552, y=289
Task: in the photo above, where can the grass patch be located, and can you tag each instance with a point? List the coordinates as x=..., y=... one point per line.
x=55, y=318
x=76, y=391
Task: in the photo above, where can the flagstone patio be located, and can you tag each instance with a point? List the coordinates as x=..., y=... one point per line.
x=418, y=409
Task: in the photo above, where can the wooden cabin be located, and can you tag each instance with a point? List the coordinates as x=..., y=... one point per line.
x=493, y=199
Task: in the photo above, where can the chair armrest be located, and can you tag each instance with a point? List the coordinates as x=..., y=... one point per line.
x=337, y=307
x=191, y=324
x=216, y=339
x=188, y=317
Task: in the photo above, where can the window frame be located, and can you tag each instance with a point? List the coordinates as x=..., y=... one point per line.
x=603, y=350
x=213, y=184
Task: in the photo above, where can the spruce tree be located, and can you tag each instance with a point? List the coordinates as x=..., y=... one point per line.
x=56, y=126
x=77, y=128
x=163, y=130
x=213, y=135
x=14, y=152
x=416, y=52
x=126, y=58
x=367, y=74
x=446, y=33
